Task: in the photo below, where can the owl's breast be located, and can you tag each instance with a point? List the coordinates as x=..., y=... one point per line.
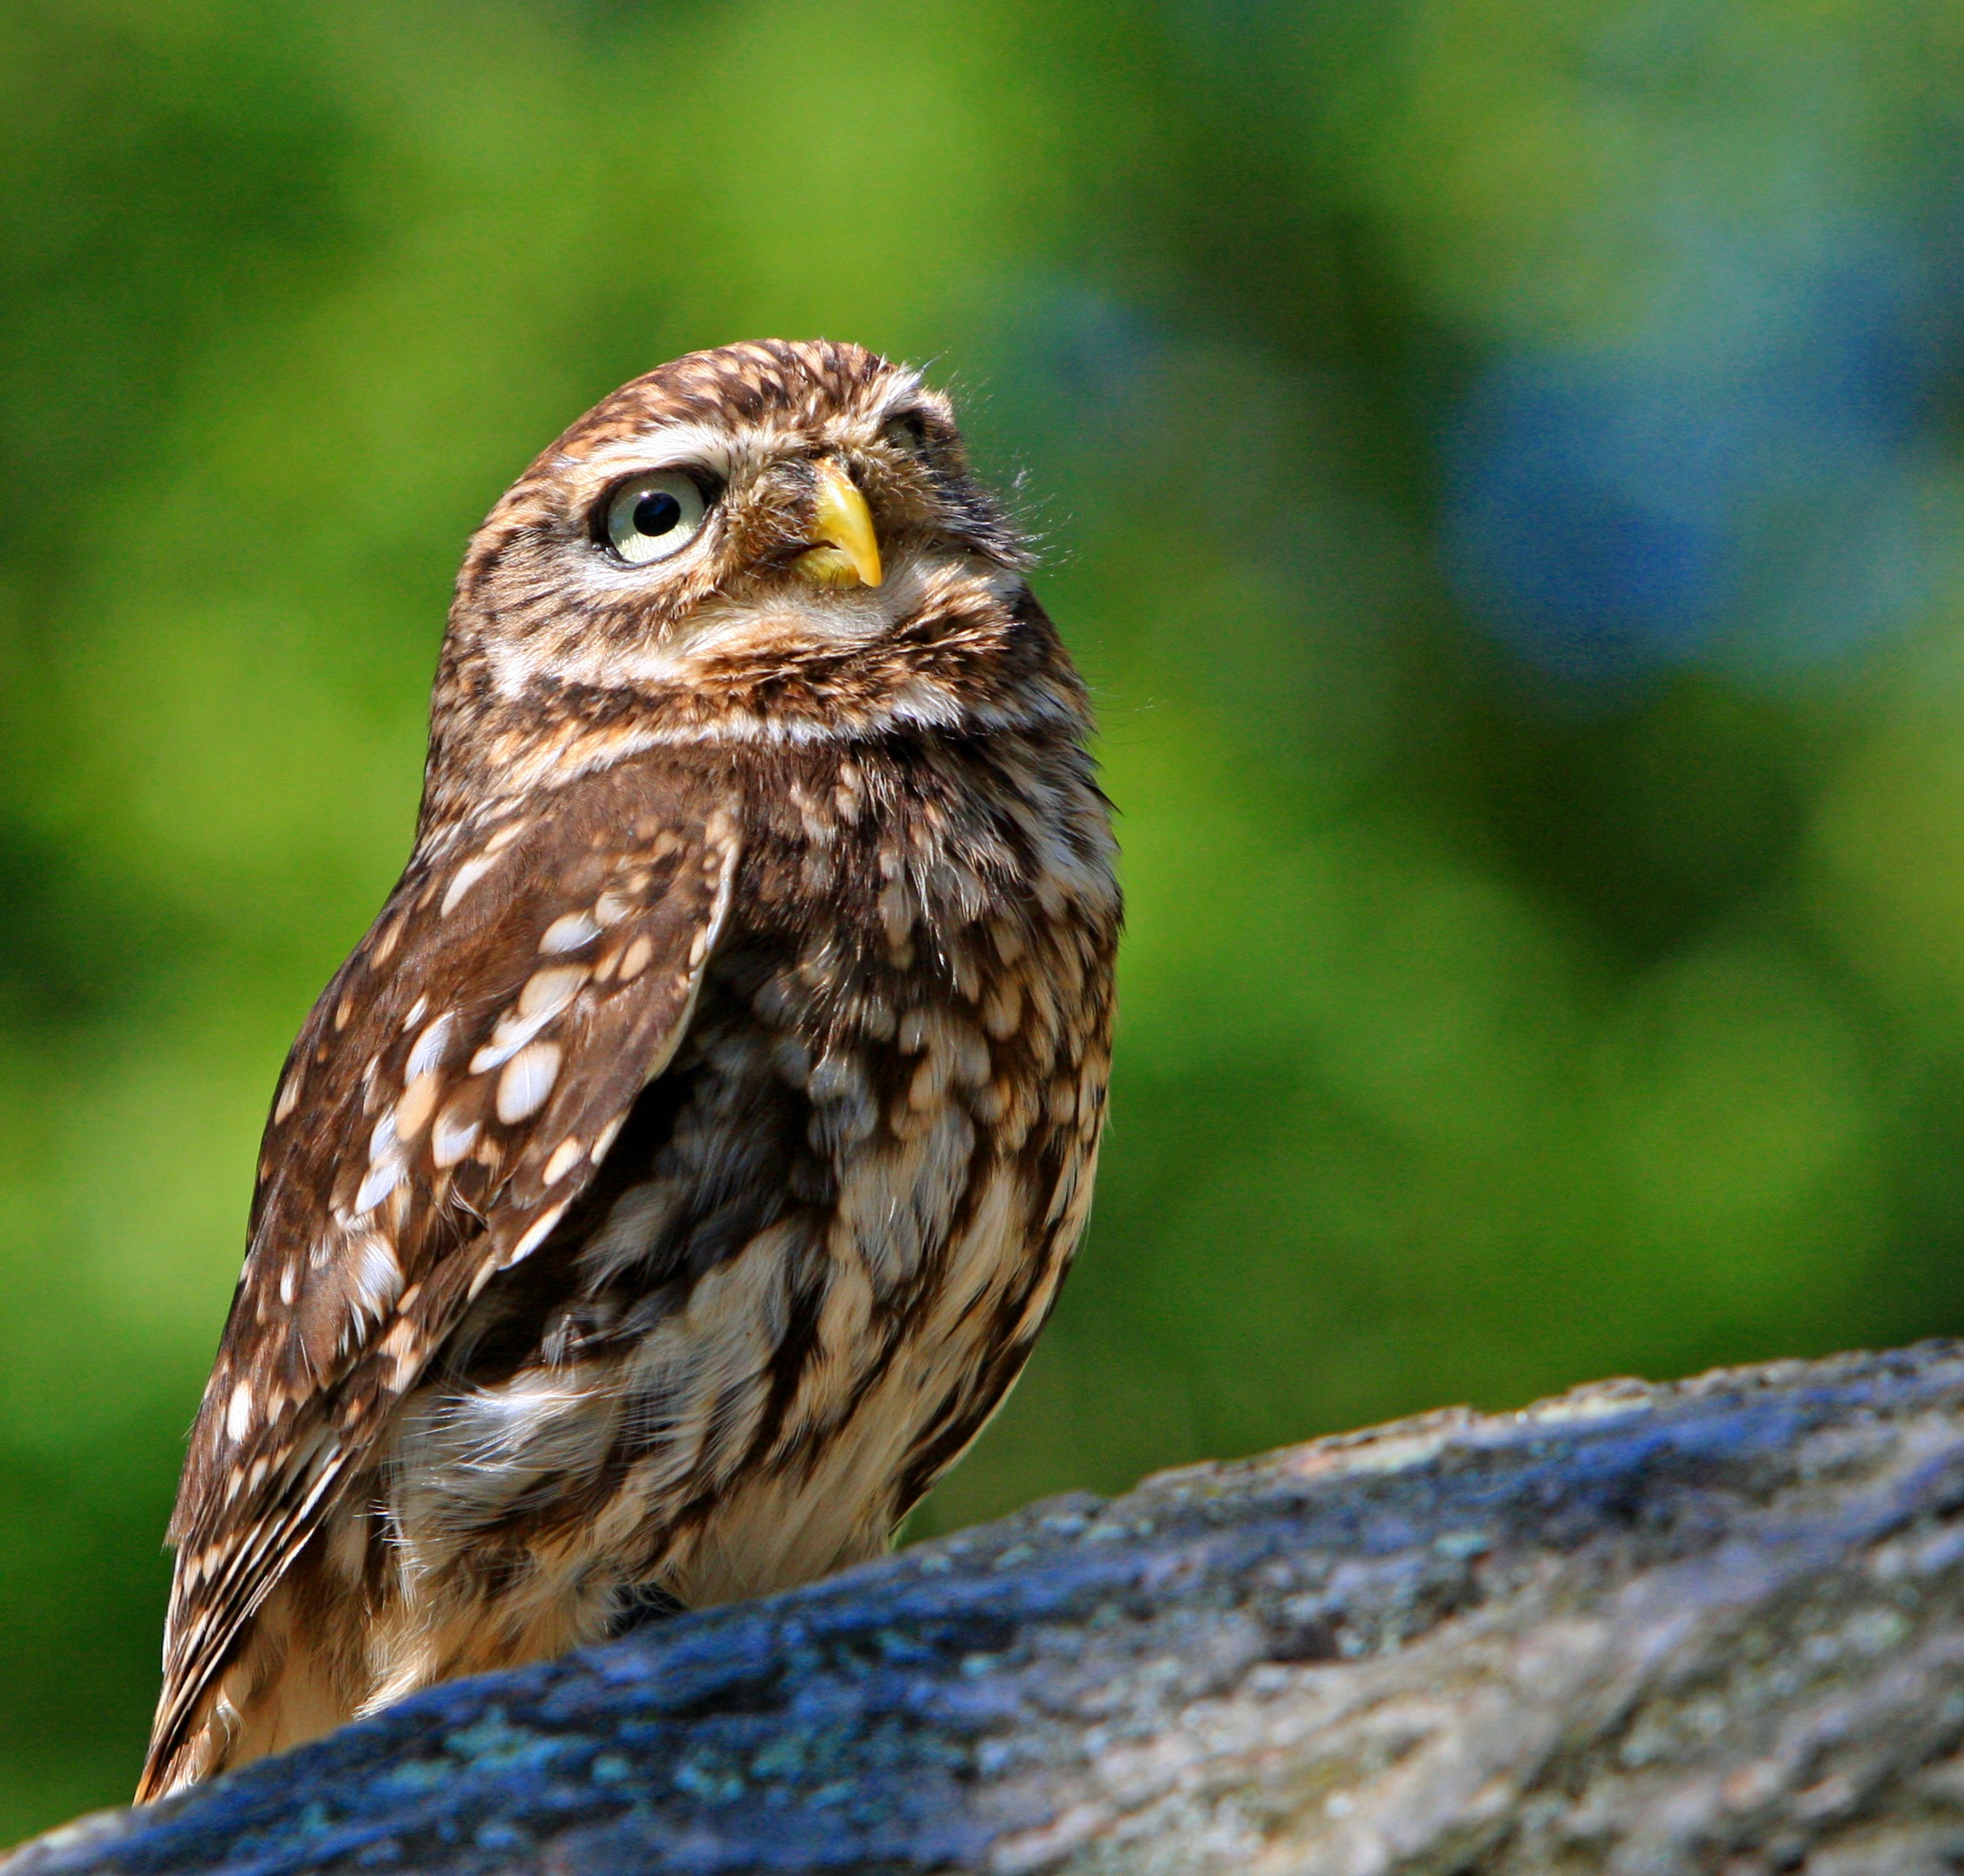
x=938, y=1181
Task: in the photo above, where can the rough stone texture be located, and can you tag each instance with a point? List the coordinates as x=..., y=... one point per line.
x=1713, y=1626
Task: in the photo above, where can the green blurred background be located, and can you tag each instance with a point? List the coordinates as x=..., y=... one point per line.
x=1499, y=465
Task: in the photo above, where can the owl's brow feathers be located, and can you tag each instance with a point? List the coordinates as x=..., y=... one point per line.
x=664, y=446
x=716, y=417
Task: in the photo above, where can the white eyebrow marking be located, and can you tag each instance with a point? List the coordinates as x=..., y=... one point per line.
x=903, y=387
x=667, y=446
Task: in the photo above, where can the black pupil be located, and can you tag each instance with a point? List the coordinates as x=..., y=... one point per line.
x=656, y=513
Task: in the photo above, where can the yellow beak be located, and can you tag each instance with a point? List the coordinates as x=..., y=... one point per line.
x=849, y=554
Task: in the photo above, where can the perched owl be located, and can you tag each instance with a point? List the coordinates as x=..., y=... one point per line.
x=673, y=1180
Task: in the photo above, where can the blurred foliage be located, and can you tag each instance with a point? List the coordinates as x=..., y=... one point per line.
x=1498, y=463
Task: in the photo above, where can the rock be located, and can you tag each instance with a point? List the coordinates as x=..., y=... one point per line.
x=1713, y=1626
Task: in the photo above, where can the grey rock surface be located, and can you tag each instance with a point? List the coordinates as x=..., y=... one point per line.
x=1713, y=1626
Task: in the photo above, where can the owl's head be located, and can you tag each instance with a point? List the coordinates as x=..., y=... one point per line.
x=767, y=541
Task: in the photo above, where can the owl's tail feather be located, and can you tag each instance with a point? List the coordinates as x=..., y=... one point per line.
x=276, y=1693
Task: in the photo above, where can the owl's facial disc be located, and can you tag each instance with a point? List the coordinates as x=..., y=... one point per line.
x=846, y=548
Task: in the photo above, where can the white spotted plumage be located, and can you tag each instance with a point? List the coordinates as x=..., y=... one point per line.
x=363, y=1260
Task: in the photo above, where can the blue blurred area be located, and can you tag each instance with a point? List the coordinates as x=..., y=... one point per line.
x=1754, y=478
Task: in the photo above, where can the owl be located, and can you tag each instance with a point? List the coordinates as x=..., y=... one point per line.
x=673, y=1181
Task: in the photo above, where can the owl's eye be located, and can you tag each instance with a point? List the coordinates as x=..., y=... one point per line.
x=909, y=432
x=652, y=517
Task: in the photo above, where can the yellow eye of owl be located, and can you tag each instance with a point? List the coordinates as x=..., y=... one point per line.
x=652, y=517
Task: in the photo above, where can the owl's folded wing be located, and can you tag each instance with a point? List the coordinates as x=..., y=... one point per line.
x=449, y=1098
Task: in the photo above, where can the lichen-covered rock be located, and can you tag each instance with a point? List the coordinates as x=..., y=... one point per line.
x=1713, y=1626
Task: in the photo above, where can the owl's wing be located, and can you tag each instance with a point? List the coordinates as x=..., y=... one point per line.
x=449, y=1098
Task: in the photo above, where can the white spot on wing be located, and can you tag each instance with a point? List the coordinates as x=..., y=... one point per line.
x=413, y=1109
x=527, y=1081
x=536, y=1236
x=565, y=1156
x=238, y=1410
x=467, y=876
x=377, y=1276
x=604, y=1138
x=546, y=994
x=399, y=1346
x=571, y=933
x=383, y=1177
x=501, y=1048
x=452, y=1138
x=506, y=835
x=430, y=1047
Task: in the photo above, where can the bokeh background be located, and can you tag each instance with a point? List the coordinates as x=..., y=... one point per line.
x=1498, y=464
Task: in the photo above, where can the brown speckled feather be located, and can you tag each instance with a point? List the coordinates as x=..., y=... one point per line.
x=459, y=1091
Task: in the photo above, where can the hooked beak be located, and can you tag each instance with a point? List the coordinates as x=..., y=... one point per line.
x=849, y=551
